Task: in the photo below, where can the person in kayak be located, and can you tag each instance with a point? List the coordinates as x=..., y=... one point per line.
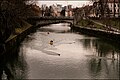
x=51, y=42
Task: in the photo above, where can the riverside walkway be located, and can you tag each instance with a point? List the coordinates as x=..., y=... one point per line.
x=108, y=28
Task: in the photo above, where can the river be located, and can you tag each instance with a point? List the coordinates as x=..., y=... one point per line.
x=56, y=52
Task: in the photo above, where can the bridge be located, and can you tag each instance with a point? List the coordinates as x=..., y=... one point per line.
x=50, y=18
x=36, y=20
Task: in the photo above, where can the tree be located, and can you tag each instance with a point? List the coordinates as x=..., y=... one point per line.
x=102, y=8
x=11, y=14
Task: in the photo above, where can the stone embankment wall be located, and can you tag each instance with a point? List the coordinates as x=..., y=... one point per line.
x=113, y=36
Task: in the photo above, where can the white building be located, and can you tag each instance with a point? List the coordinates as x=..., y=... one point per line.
x=114, y=7
x=68, y=11
x=59, y=7
x=44, y=6
x=56, y=10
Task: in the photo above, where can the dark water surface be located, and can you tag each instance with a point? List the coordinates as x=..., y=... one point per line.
x=71, y=55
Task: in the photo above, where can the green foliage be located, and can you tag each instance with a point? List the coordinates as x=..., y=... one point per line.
x=12, y=12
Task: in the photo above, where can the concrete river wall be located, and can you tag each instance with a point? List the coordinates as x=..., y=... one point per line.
x=112, y=36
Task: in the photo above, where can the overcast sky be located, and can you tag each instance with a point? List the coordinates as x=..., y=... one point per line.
x=77, y=3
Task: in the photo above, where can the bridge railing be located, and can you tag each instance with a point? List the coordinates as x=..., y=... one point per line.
x=51, y=18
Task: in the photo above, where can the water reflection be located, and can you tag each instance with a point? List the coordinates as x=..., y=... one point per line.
x=101, y=48
x=105, y=58
x=12, y=65
x=4, y=68
x=61, y=28
x=81, y=56
x=95, y=67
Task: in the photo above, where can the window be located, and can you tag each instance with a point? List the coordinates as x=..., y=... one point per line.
x=110, y=10
x=115, y=5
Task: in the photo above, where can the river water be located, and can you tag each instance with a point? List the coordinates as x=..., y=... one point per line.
x=69, y=55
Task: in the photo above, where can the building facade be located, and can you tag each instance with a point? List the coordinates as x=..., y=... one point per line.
x=114, y=6
x=106, y=8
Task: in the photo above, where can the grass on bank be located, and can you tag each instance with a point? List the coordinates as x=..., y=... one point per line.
x=19, y=30
x=91, y=24
x=111, y=22
x=88, y=23
x=22, y=28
